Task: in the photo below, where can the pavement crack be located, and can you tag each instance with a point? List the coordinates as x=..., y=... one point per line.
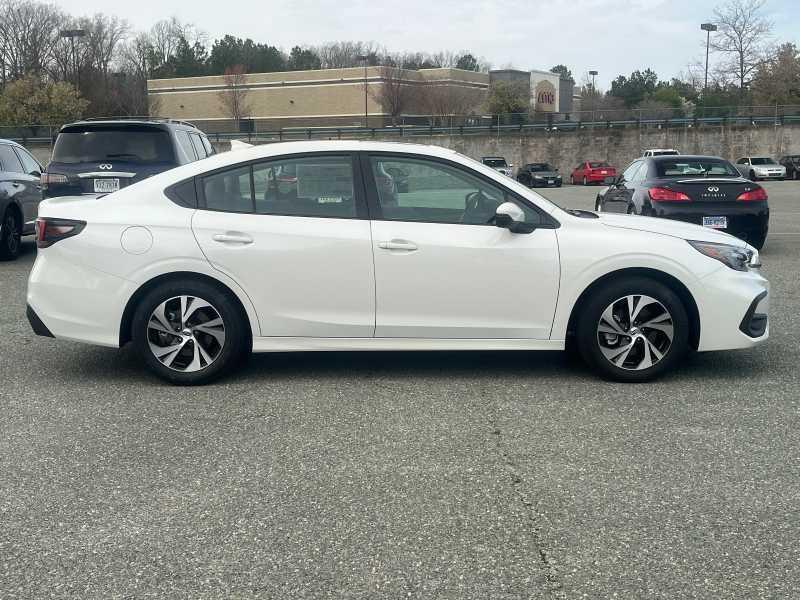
x=555, y=587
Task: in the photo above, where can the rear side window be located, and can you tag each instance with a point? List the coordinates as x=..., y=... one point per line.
x=30, y=164
x=321, y=186
x=199, y=149
x=9, y=161
x=123, y=143
x=209, y=148
x=186, y=144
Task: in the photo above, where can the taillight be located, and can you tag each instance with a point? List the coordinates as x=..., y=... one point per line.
x=49, y=231
x=48, y=179
x=753, y=195
x=658, y=194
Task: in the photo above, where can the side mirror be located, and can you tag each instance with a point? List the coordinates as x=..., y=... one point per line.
x=35, y=174
x=510, y=216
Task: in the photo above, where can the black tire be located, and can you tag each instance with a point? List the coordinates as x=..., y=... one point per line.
x=587, y=335
x=757, y=240
x=598, y=205
x=236, y=345
x=753, y=176
x=11, y=236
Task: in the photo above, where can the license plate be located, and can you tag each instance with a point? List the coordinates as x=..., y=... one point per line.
x=106, y=186
x=549, y=182
x=715, y=222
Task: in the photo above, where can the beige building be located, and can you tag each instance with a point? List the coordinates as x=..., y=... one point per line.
x=327, y=97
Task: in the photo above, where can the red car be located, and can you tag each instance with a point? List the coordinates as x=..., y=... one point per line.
x=592, y=171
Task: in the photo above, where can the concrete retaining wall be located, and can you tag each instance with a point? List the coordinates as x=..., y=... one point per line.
x=618, y=146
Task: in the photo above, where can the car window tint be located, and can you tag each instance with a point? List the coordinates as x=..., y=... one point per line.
x=30, y=164
x=9, y=161
x=186, y=144
x=419, y=190
x=314, y=186
x=199, y=149
x=127, y=143
x=229, y=191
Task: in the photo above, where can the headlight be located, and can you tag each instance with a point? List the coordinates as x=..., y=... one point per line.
x=734, y=257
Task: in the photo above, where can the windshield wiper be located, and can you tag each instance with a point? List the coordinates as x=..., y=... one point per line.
x=124, y=155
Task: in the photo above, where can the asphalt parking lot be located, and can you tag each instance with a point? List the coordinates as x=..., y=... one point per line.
x=389, y=475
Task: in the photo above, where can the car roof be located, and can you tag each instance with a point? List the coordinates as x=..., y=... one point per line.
x=11, y=142
x=164, y=123
x=686, y=156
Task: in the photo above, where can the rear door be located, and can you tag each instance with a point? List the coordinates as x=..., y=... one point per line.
x=22, y=187
x=301, y=251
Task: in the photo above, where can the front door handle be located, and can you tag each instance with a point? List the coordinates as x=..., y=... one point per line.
x=398, y=245
x=233, y=237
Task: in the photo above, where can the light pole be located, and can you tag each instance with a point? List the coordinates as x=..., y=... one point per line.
x=365, y=58
x=594, y=93
x=72, y=34
x=708, y=28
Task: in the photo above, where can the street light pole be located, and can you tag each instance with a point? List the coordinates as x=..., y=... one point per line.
x=72, y=34
x=365, y=58
x=708, y=28
x=594, y=93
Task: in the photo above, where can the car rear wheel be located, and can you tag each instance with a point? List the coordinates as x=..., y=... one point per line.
x=11, y=236
x=633, y=330
x=189, y=332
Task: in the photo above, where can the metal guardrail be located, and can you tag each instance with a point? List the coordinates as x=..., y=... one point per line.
x=401, y=131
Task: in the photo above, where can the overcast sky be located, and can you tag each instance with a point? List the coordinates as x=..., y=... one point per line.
x=612, y=36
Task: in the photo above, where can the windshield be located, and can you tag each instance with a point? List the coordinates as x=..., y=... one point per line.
x=129, y=144
x=540, y=167
x=762, y=161
x=495, y=162
x=696, y=167
x=665, y=152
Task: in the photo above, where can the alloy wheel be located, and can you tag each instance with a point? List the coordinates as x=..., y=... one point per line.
x=635, y=332
x=13, y=239
x=186, y=333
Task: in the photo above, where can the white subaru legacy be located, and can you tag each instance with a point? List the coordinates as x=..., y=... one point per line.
x=351, y=245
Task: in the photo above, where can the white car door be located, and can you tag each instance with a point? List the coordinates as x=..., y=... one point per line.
x=294, y=234
x=442, y=270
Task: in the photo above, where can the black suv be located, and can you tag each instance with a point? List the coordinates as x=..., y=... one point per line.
x=792, y=164
x=102, y=156
x=20, y=193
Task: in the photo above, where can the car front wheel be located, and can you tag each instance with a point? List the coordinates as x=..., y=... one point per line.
x=189, y=332
x=633, y=330
x=11, y=236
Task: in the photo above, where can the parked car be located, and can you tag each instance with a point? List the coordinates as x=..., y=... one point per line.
x=20, y=193
x=660, y=152
x=103, y=156
x=704, y=190
x=760, y=167
x=196, y=277
x=539, y=175
x=592, y=171
x=499, y=164
x=791, y=162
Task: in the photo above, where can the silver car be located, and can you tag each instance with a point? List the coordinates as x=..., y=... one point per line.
x=760, y=167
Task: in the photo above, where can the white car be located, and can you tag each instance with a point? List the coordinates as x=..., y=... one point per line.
x=313, y=246
x=760, y=167
x=660, y=152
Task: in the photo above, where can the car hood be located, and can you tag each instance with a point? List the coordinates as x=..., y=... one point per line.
x=679, y=229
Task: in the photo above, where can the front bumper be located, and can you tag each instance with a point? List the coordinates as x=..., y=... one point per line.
x=734, y=310
x=556, y=182
x=773, y=175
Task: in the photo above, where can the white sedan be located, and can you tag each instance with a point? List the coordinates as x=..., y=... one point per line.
x=377, y=246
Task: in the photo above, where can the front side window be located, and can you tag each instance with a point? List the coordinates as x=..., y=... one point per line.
x=411, y=189
x=320, y=186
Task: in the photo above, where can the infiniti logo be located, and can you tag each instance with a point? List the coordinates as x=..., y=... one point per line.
x=713, y=189
x=105, y=166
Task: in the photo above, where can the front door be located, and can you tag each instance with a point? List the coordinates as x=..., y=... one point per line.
x=442, y=269
x=293, y=234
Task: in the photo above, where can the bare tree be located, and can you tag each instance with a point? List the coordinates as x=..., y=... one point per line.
x=234, y=97
x=29, y=32
x=394, y=92
x=340, y=55
x=742, y=38
x=443, y=102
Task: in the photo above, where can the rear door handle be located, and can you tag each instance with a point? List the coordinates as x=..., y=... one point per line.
x=233, y=237
x=398, y=245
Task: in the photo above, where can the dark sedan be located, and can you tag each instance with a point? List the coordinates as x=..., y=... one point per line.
x=539, y=175
x=704, y=190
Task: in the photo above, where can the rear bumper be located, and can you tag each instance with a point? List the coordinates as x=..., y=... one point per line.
x=38, y=327
x=743, y=219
